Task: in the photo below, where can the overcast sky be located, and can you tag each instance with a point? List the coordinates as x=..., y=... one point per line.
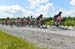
x=20, y=8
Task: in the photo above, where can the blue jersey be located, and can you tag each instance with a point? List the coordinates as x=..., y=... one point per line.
x=55, y=16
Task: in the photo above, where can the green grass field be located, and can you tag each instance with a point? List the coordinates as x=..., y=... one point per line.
x=10, y=42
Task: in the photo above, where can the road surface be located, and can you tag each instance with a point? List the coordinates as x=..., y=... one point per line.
x=50, y=38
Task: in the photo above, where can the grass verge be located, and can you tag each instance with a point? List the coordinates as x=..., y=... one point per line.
x=10, y=42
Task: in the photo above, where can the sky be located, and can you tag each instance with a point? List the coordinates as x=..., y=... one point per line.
x=25, y=8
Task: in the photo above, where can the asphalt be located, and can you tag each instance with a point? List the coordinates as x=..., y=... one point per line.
x=51, y=37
